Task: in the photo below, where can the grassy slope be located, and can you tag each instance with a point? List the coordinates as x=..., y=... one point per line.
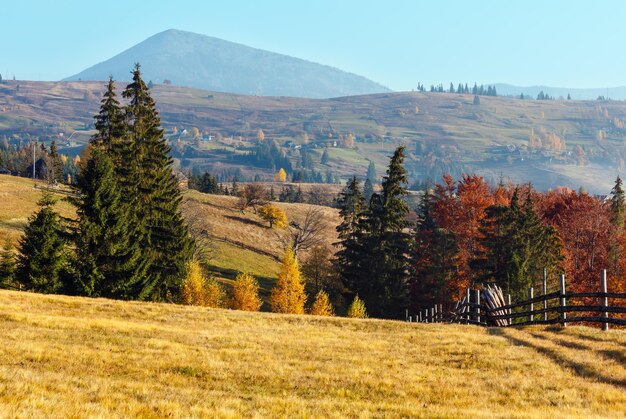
x=217, y=214
x=67, y=356
x=445, y=119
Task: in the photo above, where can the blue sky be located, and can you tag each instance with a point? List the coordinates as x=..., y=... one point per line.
x=396, y=43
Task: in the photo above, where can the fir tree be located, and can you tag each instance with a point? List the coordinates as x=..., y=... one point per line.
x=110, y=261
x=349, y=257
x=110, y=127
x=368, y=190
x=386, y=245
x=166, y=242
x=371, y=172
x=324, y=159
x=617, y=221
x=42, y=258
x=55, y=171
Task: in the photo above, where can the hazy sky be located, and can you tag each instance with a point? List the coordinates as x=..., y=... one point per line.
x=396, y=43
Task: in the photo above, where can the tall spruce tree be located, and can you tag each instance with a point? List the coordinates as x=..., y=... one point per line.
x=109, y=123
x=349, y=257
x=55, y=173
x=110, y=262
x=371, y=172
x=617, y=220
x=166, y=241
x=386, y=245
x=42, y=258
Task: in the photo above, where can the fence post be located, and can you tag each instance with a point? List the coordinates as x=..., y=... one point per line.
x=406, y=314
x=508, y=302
x=420, y=316
x=477, y=306
x=425, y=315
x=432, y=315
x=563, y=302
x=435, y=313
x=441, y=312
x=469, y=309
x=545, y=291
x=531, y=295
x=605, y=300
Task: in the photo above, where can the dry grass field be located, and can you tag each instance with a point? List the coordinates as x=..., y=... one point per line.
x=77, y=357
x=241, y=242
x=18, y=200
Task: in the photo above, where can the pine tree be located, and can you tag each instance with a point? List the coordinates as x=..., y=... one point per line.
x=110, y=260
x=166, y=242
x=246, y=293
x=42, y=257
x=288, y=294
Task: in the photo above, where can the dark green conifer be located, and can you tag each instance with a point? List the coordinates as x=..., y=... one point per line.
x=324, y=159
x=110, y=262
x=8, y=264
x=166, y=241
x=349, y=257
x=386, y=245
x=42, y=257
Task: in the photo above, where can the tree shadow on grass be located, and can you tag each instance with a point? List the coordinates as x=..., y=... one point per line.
x=580, y=369
x=245, y=220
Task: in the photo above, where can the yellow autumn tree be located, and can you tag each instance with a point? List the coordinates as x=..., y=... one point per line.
x=194, y=286
x=322, y=306
x=214, y=294
x=281, y=176
x=357, y=309
x=288, y=295
x=273, y=215
x=246, y=293
x=260, y=135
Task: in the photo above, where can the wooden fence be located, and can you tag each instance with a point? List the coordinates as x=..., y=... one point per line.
x=488, y=307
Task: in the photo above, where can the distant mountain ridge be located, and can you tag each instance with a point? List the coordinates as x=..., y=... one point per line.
x=616, y=93
x=200, y=61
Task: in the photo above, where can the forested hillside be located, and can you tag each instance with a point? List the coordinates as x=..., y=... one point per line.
x=547, y=142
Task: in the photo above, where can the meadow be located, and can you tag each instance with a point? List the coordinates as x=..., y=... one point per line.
x=78, y=357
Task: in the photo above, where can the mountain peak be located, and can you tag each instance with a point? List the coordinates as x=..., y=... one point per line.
x=201, y=61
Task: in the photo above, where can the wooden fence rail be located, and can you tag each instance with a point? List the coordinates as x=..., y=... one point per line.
x=487, y=307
